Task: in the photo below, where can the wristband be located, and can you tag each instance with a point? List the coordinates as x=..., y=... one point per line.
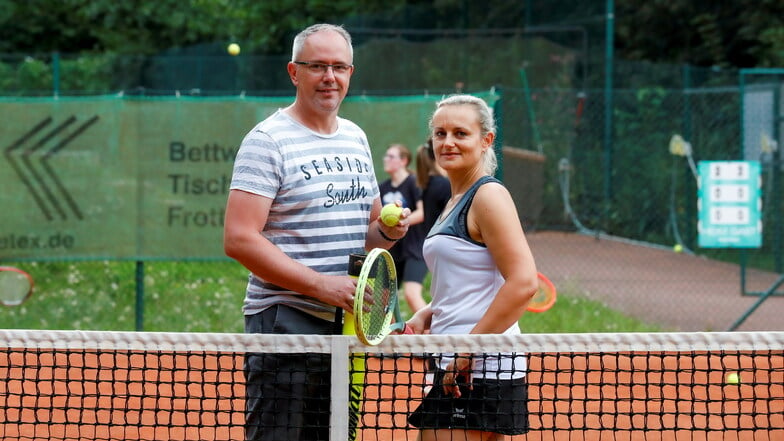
x=387, y=238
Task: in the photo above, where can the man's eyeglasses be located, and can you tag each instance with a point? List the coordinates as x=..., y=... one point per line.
x=321, y=68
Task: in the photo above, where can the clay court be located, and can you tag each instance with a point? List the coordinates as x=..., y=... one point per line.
x=79, y=395
x=627, y=397
x=589, y=397
x=678, y=291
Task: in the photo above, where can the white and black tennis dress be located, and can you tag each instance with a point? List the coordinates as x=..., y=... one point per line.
x=465, y=280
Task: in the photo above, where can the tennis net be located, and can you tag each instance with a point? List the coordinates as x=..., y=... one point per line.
x=79, y=385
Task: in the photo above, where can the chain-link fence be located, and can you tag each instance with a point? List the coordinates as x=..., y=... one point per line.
x=583, y=153
x=628, y=182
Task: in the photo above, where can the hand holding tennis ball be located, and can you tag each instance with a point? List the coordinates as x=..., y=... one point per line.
x=390, y=214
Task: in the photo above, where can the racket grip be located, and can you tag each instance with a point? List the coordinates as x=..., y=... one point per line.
x=355, y=262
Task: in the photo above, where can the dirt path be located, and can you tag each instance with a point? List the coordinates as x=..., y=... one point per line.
x=680, y=292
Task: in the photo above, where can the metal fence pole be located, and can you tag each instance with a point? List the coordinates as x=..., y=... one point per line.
x=56, y=74
x=139, y=295
x=608, y=108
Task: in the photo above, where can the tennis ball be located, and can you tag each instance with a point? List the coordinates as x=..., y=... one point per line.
x=390, y=214
x=733, y=378
x=678, y=248
x=233, y=49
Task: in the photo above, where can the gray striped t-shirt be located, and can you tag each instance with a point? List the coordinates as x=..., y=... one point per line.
x=322, y=186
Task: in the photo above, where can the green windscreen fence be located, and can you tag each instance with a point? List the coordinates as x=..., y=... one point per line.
x=122, y=178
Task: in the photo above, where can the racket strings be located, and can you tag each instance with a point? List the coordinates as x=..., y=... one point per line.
x=542, y=296
x=377, y=319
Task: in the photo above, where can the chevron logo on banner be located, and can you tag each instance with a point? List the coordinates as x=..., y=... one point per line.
x=30, y=157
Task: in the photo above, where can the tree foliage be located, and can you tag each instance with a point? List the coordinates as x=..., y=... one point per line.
x=740, y=33
x=152, y=26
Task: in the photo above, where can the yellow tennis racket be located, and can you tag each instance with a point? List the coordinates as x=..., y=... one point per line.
x=375, y=305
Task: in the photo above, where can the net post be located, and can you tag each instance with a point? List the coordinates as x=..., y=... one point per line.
x=338, y=416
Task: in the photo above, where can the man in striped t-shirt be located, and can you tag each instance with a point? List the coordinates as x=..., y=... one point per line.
x=303, y=197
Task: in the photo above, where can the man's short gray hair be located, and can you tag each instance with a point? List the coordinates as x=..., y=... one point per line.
x=299, y=40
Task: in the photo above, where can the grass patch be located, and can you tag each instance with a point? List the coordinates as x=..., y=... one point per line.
x=574, y=313
x=207, y=297
x=571, y=313
x=178, y=297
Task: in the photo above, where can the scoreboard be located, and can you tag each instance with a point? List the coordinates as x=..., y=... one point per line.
x=729, y=202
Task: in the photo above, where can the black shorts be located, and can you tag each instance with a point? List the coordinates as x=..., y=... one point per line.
x=499, y=406
x=287, y=395
x=410, y=270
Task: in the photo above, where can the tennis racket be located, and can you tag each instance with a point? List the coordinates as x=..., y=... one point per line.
x=376, y=307
x=545, y=296
x=15, y=286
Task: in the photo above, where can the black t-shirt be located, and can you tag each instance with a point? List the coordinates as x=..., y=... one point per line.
x=434, y=198
x=409, y=246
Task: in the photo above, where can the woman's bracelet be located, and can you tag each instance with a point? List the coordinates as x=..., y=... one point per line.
x=387, y=238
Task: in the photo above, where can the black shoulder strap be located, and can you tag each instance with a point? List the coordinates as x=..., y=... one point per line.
x=467, y=200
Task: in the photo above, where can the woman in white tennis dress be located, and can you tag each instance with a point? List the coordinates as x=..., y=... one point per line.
x=483, y=275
